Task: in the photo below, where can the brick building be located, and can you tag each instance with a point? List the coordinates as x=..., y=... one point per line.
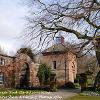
x=19, y=71
x=62, y=61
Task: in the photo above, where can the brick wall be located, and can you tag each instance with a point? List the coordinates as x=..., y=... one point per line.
x=67, y=59
x=7, y=70
x=19, y=61
x=12, y=67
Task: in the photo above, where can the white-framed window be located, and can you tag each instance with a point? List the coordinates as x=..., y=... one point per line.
x=1, y=78
x=2, y=61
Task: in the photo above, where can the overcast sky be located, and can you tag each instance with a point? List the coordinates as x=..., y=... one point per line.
x=12, y=24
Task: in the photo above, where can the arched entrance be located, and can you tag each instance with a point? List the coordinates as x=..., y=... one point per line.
x=24, y=78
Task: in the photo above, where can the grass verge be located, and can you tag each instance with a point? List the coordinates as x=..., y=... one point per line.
x=82, y=97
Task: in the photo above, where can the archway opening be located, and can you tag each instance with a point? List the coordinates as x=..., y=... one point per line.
x=24, y=78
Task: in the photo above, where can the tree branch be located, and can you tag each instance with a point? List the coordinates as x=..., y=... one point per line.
x=91, y=23
x=61, y=28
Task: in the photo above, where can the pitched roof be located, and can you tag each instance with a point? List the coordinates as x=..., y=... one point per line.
x=56, y=47
x=61, y=48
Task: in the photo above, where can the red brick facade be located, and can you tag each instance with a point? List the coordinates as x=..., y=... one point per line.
x=62, y=61
x=64, y=65
x=11, y=70
x=21, y=71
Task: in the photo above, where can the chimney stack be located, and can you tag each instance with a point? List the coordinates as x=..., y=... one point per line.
x=59, y=40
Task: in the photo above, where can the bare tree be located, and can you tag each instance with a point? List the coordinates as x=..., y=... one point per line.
x=80, y=18
x=87, y=63
x=2, y=51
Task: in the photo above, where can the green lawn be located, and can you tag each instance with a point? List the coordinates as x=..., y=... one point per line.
x=80, y=97
x=18, y=92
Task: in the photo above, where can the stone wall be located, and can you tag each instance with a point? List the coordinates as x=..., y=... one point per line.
x=19, y=61
x=11, y=70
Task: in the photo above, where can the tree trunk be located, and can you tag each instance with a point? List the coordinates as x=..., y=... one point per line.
x=97, y=50
x=97, y=47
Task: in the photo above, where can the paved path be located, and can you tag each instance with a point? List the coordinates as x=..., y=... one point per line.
x=59, y=95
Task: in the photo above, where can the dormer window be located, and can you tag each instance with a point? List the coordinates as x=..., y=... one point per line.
x=2, y=61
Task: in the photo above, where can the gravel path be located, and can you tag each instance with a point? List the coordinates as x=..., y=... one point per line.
x=59, y=95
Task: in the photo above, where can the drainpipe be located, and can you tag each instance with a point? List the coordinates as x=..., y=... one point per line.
x=65, y=71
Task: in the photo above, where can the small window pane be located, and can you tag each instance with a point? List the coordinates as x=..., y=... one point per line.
x=2, y=61
x=54, y=64
x=1, y=78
